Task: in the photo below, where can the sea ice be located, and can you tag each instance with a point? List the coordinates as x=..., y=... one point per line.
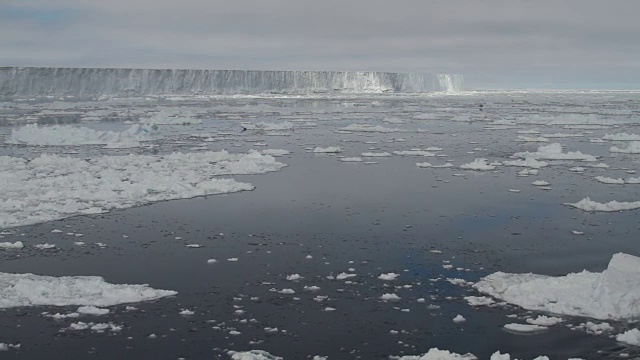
x=33, y=134
x=370, y=128
x=92, y=310
x=388, y=276
x=478, y=165
x=253, y=355
x=612, y=294
x=459, y=319
x=554, y=152
x=414, y=153
x=479, y=300
x=631, y=337
x=351, y=159
x=622, y=137
x=389, y=297
x=375, y=154
x=18, y=290
x=524, y=328
x=437, y=354
x=632, y=148
x=8, y=245
x=545, y=320
x=52, y=187
x=328, y=150
x=587, y=204
x=608, y=180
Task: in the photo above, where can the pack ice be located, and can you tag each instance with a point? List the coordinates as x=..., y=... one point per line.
x=52, y=187
x=33, y=134
x=612, y=294
x=18, y=290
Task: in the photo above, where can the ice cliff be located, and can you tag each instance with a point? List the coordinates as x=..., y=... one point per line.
x=34, y=81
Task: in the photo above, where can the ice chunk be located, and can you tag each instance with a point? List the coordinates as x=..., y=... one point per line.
x=622, y=137
x=524, y=328
x=459, y=319
x=437, y=354
x=478, y=165
x=329, y=150
x=587, y=204
x=92, y=310
x=389, y=297
x=388, y=276
x=18, y=290
x=253, y=355
x=554, y=152
x=612, y=294
x=351, y=159
x=8, y=245
x=632, y=148
x=608, y=180
x=479, y=300
x=375, y=154
x=631, y=337
x=370, y=128
x=545, y=320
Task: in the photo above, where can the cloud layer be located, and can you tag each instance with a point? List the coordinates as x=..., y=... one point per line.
x=508, y=43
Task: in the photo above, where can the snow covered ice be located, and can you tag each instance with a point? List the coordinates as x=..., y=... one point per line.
x=17, y=290
x=52, y=187
x=612, y=294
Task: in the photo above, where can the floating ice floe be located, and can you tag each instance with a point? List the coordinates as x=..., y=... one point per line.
x=479, y=300
x=389, y=297
x=252, y=355
x=524, y=328
x=329, y=150
x=459, y=319
x=631, y=337
x=545, y=320
x=612, y=294
x=17, y=290
x=526, y=162
x=415, y=152
x=540, y=183
x=388, y=276
x=622, y=137
x=172, y=117
x=275, y=152
x=532, y=138
x=375, y=154
x=97, y=327
x=608, y=180
x=478, y=165
x=351, y=159
x=58, y=135
x=52, y=187
x=632, y=148
x=92, y=310
x=8, y=245
x=587, y=204
x=554, y=152
x=429, y=165
x=370, y=128
x=283, y=126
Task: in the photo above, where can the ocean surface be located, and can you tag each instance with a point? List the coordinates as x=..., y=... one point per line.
x=319, y=217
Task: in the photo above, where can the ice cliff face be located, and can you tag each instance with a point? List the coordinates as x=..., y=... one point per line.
x=31, y=81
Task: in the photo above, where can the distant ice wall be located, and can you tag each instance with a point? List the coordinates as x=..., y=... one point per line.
x=32, y=81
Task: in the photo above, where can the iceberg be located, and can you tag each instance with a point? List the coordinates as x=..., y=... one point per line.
x=37, y=81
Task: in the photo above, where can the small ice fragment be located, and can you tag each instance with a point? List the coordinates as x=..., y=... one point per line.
x=459, y=319
x=388, y=276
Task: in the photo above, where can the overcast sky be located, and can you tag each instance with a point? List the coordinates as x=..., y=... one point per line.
x=504, y=44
